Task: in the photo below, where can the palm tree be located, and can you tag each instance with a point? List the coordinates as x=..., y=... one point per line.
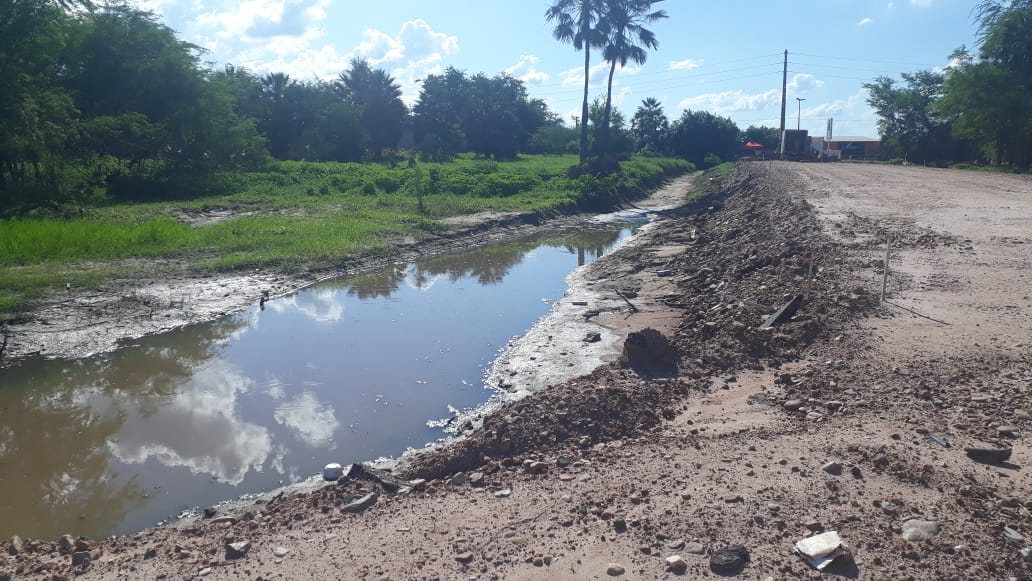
x=649, y=124
x=576, y=23
x=379, y=97
x=624, y=22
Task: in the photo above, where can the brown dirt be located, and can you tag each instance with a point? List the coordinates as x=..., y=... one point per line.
x=628, y=464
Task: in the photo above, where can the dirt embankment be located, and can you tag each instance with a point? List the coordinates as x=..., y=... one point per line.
x=849, y=415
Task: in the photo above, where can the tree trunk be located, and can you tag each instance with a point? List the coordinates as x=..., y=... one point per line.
x=584, y=106
x=604, y=146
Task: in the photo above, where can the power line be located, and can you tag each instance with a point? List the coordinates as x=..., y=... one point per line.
x=842, y=58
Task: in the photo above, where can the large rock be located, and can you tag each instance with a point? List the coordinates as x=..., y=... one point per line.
x=919, y=530
x=649, y=353
x=237, y=550
x=729, y=560
x=360, y=504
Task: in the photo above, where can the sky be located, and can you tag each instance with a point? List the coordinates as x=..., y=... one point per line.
x=725, y=57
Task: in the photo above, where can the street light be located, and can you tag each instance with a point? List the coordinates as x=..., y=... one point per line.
x=799, y=115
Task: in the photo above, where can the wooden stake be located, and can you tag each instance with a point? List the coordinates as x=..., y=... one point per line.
x=885, y=267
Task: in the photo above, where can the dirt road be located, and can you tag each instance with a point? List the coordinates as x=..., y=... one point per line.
x=852, y=416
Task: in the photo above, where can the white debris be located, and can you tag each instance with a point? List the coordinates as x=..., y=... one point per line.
x=820, y=550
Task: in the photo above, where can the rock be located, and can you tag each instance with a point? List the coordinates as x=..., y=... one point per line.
x=280, y=552
x=834, y=467
x=1013, y=535
x=210, y=512
x=989, y=455
x=81, y=559
x=729, y=560
x=1008, y=431
x=204, y=572
x=793, y=404
x=1026, y=554
x=230, y=520
x=458, y=479
x=503, y=493
x=360, y=504
x=82, y=545
x=476, y=479
x=150, y=553
x=66, y=543
x=834, y=405
x=919, y=530
x=676, y=563
x=694, y=548
x=813, y=524
x=16, y=546
x=465, y=557
x=332, y=472
x=537, y=468
x=237, y=550
x=614, y=570
x=675, y=545
x=592, y=337
x=619, y=523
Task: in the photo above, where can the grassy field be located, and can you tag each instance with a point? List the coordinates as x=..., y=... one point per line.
x=297, y=215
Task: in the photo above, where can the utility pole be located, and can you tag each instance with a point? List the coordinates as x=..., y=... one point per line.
x=784, y=95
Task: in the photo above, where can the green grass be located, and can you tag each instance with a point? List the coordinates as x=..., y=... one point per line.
x=297, y=215
x=724, y=169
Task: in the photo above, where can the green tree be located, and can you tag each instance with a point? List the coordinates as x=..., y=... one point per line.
x=437, y=118
x=35, y=113
x=378, y=96
x=699, y=135
x=650, y=125
x=576, y=23
x=620, y=138
x=627, y=40
x=907, y=119
x=987, y=96
x=769, y=137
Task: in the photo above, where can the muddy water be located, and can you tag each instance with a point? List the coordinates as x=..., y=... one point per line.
x=345, y=371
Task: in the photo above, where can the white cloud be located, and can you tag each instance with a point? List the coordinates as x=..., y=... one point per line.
x=685, y=65
x=853, y=115
x=804, y=82
x=575, y=76
x=321, y=305
x=198, y=429
x=921, y=3
x=311, y=421
x=865, y=22
x=526, y=70
x=729, y=101
x=288, y=36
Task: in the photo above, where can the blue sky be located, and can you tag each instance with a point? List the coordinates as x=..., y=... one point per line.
x=724, y=57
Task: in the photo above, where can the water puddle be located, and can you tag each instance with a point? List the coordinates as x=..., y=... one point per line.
x=345, y=371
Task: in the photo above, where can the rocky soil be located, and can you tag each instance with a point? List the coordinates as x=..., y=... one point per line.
x=721, y=436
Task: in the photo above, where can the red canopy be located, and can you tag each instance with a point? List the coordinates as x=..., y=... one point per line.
x=753, y=145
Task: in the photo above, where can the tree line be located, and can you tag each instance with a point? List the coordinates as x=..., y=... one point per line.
x=107, y=103
x=978, y=108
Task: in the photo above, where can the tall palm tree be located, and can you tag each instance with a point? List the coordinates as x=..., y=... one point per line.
x=577, y=24
x=624, y=22
x=379, y=96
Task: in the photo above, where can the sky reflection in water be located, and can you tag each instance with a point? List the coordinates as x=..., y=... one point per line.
x=346, y=371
